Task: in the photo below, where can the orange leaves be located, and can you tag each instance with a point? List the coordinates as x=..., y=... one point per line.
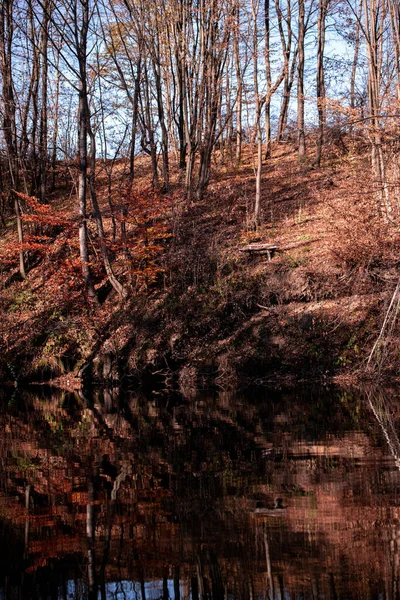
x=41, y=213
x=145, y=251
x=33, y=202
x=44, y=220
x=50, y=245
x=146, y=215
x=142, y=228
x=41, y=219
x=39, y=237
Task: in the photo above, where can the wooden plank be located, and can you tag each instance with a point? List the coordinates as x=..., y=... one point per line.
x=259, y=252
x=261, y=249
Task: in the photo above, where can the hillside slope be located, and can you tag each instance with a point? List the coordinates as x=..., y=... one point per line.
x=199, y=309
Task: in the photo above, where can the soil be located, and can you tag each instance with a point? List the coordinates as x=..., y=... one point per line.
x=200, y=312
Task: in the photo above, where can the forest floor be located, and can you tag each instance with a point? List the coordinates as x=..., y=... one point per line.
x=199, y=311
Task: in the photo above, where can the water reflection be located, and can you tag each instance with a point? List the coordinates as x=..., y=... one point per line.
x=281, y=496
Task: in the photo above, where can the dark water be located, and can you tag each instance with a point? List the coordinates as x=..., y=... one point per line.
x=280, y=496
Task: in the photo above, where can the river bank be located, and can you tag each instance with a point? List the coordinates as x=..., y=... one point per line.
x=200, y=311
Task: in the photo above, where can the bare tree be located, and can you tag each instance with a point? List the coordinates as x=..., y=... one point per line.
x=43, y=145
x=81, y=23
x=290, y=62
x=355, y=56
x=9, y=126
x=301, y=136
x=394, y=12
x=259, y=102
x=321, y=105
x=375, y=12
x=239, y=71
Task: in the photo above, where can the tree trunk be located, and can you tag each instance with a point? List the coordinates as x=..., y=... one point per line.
x=300, y=85
x=135, y=120
x=287, y=90
x=99, y=220
x=180, y=28
x=258, y=129
x=9, y=113
x=43, y=152
x=164, y=132
x=374, y=26
x=55, y=126
x=394, y=11
x=150, y=129
x=239, y=92
x=83, y=151
x=355, y=58
x=34, y=146
x=321, y=107
x=267, y=51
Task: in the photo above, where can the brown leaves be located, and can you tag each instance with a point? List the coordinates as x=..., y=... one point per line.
x=146, y=215
x=41, y=213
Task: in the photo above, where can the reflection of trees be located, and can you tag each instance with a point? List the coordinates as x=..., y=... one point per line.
x=379, y=404
x=165, y=490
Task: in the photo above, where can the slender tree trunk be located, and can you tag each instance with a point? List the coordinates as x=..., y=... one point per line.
x=34, y=146
x=300, y=84
x=83, y=150
x=150, y=129
x=190, y=144
x=321, y=107
x=179, y=30
x=287, y=90
x=43, y=151
x=20, y=231
x=82, y=186
x=289, y=68
x=215, y=36
x=181, y=125
x=135, y=106
x=239, y=84
x=228, y=124
x=258, y=129
x=269, y=80
x=355, y=57
x=394, y=10
x=374, y=24
x=55, y=129
x=9, y=113
x=257, y=205
x=55, y=126
x=99, y=220
x=163, y=127
x=24, y=139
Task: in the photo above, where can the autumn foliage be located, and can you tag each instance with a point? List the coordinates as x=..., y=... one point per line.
x=51, y=241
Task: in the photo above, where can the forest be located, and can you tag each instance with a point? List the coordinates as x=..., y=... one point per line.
x=199, y=298
x=196, y=190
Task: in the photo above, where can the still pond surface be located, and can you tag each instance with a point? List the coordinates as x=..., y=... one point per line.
x=228, y=497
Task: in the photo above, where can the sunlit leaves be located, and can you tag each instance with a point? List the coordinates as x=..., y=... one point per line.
x=51, y=244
